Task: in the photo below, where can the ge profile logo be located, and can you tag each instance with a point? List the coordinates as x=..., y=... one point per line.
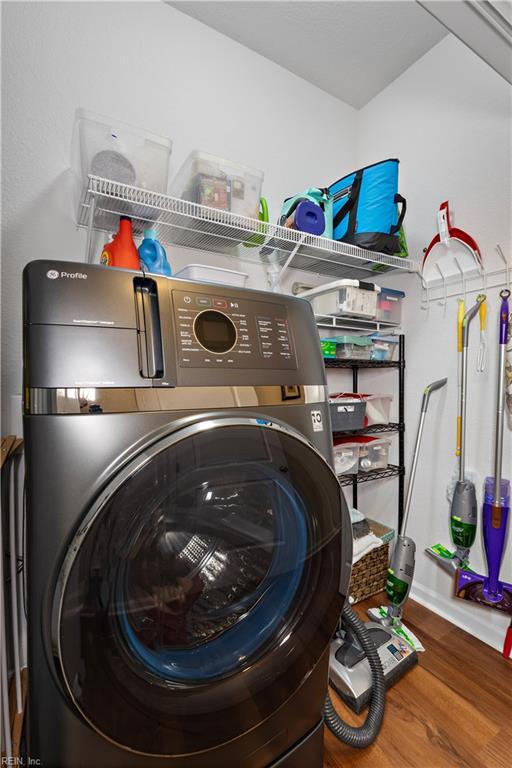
x=52, y=274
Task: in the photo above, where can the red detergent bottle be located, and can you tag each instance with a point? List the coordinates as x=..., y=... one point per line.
x=122, y=251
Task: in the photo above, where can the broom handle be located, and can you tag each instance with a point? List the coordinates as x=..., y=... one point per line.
x=500, y=408
x=468, y=317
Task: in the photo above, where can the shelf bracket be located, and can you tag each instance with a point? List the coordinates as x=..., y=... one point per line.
x=275, y=274
x=90, y=228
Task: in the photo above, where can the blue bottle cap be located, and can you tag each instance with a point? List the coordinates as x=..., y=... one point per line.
x=149, y=234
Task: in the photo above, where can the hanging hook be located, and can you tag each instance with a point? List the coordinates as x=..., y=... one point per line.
x=463, y=277
x=425, y=297
x=443, y=278
x=507, y=266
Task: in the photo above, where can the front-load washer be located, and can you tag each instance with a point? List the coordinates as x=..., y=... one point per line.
x=188, y=545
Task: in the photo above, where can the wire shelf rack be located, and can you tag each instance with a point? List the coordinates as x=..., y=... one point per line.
x=392, y=470
x=189, y=225
x=342, y=322
x=333, y=362
x=375, y=429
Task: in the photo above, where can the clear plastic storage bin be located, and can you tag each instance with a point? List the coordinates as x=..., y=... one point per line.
x=346, y=456
x=384, y=347
x=219, y=183
x=389, y=305
x=205, y=274
x=105, y=147
x=373, y=452
x=353, y=347
x=344, y=297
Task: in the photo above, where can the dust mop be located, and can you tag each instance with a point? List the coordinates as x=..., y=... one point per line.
x=401, y=570
x=489, y=590
x=463, y=508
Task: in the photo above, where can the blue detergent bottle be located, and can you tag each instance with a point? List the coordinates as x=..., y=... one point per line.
x=152, y=255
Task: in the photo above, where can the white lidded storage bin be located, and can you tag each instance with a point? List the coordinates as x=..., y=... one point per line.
x=344, y=297
x=219, y=183
x=378, y=407
x=346, y=457
x=105, y=147
x=205, y=274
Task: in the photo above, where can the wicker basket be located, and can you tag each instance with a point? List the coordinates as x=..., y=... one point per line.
x=370, y=572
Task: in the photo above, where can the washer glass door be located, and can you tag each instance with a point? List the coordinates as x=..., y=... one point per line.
x=201, y=588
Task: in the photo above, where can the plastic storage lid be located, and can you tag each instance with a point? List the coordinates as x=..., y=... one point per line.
x=85, y=115
x=363, y=439
x=393, y=292
x=336, y=285
x=375, y=337
x=361, y=341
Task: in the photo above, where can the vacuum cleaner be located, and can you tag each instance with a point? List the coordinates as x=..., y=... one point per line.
x=349, y=670
x=463, y=510
x=489, y=590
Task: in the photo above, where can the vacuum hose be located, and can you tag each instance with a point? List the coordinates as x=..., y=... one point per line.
x=365, y=734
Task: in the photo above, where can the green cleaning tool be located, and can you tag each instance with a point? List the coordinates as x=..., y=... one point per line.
x=401, y=569
x=463, y=509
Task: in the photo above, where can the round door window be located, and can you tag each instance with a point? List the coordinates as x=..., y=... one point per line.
x=202, y=588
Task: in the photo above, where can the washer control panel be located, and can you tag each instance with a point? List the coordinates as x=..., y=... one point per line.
x=223, y=332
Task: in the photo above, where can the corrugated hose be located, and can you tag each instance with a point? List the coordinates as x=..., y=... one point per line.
x=362, y=736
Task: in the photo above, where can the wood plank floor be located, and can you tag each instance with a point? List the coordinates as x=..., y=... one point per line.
x=453, y=709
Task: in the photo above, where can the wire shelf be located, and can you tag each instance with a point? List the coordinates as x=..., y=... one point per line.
x=359, y=324
x=333, y=362
x=189, y=225
x=392, y=470
x=375, y=429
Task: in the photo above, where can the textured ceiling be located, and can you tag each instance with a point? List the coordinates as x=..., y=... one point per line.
x=352, y=48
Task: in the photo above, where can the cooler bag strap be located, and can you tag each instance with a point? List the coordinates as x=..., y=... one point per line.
x=396, y=227
x=350, y=207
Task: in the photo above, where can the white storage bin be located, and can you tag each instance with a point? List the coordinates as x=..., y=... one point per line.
x=389, y=305
x=219, y=183
x=346, y=457
x=377, y=409
x=205, y=274
x=344, y=297
x=103, y=146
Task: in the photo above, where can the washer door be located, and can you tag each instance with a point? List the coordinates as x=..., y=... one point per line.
x=202, y=588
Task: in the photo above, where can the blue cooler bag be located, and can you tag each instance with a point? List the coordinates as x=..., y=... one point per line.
x=365, y=208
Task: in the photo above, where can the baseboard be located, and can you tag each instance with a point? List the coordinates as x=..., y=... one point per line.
x=478, y=625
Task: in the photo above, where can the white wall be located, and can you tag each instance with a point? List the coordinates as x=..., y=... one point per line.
x=448, y=119
x=151, y=66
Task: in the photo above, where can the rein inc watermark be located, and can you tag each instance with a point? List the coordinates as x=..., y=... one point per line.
x=20, y=761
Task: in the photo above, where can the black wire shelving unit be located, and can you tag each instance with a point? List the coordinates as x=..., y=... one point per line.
x=392, y=470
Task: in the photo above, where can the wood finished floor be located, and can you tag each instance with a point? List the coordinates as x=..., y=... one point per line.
x=453, y=709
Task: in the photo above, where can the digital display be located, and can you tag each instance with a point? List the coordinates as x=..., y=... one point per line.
x=215, y=331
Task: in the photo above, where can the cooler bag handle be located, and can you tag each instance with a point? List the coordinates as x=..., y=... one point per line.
x=396, y=227
x=348, y=207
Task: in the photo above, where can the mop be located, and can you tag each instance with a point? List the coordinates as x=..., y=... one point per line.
x=489, y=590
x=401, y=570
x=463, y=508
